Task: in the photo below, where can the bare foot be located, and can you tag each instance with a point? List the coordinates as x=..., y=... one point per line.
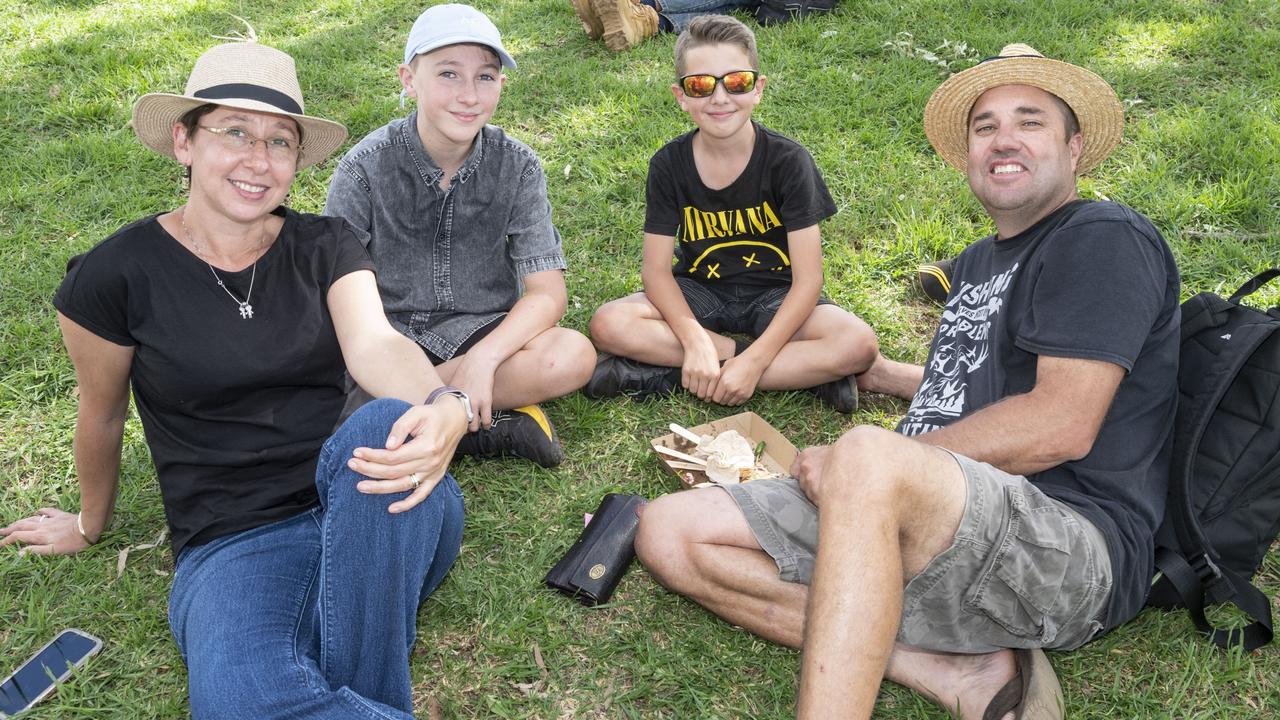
x=890, y=377
x=963, y=684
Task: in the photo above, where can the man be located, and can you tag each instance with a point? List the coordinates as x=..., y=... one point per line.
x=1015, y=506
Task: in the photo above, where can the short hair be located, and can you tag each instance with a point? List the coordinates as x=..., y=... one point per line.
x=716, y=30
x=1068, y=117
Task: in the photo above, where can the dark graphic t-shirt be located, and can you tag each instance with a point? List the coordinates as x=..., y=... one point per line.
x=234, y=409
x=1093, y=280
x=737, y=234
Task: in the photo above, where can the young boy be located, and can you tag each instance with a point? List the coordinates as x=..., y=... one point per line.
x=741, y=206
x=458, y=224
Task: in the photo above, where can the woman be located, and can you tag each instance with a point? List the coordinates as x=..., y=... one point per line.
x=297, y=584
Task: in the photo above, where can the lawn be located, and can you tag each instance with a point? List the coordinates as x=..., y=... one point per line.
x=1201, y=85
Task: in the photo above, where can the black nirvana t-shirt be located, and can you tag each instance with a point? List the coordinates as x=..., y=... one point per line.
x=234, y=409
x=736, y=234
x=1093, y=280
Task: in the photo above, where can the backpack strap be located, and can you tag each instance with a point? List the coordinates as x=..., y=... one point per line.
x=1186, y=583
x=1251, y=287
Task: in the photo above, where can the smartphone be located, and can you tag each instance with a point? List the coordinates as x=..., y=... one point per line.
x=37, y=677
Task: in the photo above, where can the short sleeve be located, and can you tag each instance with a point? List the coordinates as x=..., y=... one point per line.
x=533, y=241
x=349, y=198
x=661, y=216
x=805, y=198
x=1099, y=288
x=350, y=254
x=94, y=294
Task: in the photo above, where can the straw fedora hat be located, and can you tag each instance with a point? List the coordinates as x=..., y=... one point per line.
x=241, y=75
x=946, y=116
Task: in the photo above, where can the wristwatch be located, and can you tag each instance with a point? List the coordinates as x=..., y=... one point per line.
x=451, y=390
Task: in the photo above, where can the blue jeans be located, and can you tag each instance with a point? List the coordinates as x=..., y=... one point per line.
x=682, y=12
x=314, y=616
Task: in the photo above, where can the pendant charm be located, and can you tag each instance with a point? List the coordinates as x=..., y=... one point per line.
x=246, y=310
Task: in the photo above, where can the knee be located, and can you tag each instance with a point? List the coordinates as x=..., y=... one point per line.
x=608, y=327
x=861, y=347
x=861, y=468
x=571, y=361
x=368, y=426
x=661, y=543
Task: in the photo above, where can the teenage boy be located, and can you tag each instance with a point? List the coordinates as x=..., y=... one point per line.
x=458, y=224
x=740, y=204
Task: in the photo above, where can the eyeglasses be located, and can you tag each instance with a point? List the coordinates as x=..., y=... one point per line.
x=735, y=83
x=237, y=140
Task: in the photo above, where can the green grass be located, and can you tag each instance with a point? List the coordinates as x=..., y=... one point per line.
x=1202, y=85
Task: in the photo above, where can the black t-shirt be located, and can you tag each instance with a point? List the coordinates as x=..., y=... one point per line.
x=235, y=410
x=737, y=234
x=1093, y=280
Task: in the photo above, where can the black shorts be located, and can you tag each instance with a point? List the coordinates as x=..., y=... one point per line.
x=739, y=309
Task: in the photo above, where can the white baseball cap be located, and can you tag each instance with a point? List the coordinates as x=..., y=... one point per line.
x=452, y=24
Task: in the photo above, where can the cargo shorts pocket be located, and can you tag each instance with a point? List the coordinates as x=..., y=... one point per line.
x=1021, y=582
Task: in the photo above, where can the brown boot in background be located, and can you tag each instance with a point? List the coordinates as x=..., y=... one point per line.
x=627, y=23
x=591, y=22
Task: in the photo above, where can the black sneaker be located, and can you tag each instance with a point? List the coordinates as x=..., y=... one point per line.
x=935, y=279
x=841, y=395
x=616, y=376
x=523, y=432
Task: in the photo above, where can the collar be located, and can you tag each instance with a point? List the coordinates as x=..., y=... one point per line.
x=427, y=168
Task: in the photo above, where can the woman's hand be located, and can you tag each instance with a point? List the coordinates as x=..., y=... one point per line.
x=417, y=453
x=49, y=532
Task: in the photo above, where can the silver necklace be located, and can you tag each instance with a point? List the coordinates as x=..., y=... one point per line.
x=246, y=310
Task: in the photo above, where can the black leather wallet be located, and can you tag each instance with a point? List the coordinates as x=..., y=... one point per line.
x=598, y=560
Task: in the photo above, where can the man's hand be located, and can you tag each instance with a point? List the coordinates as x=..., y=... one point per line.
x=701, y=369
x=416, y=456
x=807, y=468
x=474, y=376
x=738, y=379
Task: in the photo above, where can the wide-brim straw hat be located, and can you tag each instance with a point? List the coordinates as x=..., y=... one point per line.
x=243, y=75
x=1101, y=116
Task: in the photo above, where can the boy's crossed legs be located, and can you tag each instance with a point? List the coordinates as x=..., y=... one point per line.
x=825, y=356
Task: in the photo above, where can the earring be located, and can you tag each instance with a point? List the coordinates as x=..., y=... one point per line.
x=186, y=179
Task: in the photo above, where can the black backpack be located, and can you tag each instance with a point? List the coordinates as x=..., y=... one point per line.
x=1224, y=486
x=772, y=12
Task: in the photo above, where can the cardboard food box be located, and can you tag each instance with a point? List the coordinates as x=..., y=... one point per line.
x=776, y=458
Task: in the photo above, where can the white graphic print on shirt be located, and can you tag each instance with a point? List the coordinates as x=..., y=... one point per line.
x=962, y=347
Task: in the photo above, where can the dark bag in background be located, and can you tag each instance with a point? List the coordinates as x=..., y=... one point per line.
x=772, y=12
x=598, y=560
x=1224, y=483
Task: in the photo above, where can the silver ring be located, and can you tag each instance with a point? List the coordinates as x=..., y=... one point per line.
x=41, y=519
x=414, y=481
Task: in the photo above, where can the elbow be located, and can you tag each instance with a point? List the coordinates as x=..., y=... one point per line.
x=559, y=303
x=1074, y=443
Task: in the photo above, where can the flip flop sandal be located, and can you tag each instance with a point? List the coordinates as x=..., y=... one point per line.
x=935, y=279
x=1032, y=694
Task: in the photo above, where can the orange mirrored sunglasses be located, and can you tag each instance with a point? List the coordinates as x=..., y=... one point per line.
x=735, y=83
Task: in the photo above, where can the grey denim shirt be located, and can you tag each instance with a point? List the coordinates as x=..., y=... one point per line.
x=448, y=261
